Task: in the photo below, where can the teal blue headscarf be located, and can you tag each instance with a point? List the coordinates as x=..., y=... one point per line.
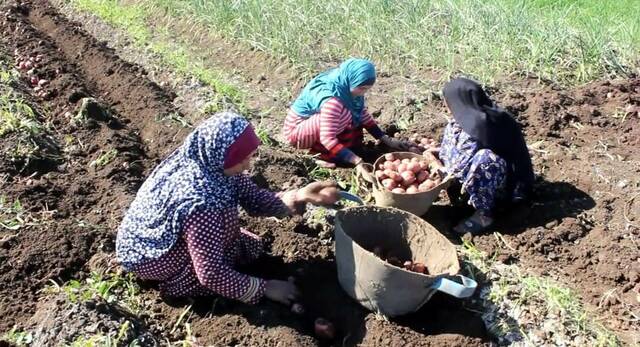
x=337, y=82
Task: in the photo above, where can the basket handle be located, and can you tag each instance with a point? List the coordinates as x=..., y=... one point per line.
x=368, y=175
x=453, y=288
x=351, y=197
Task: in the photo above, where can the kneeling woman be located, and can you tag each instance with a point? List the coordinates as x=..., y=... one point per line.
x=182, y=229
x=329, y=115
x=483, y=147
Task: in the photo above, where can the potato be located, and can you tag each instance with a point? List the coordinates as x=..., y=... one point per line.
x=412, y=189
x=422, y=176
x=419, y=267
x=324, y=329
x=398, y=190
x=414, y=167
x=396, y=177
x=389, y=157
x=429, y=184
x=408, y=265
x=408, y=177
x=389, y=183
x=402, y=168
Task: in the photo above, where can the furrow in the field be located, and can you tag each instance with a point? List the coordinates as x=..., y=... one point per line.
x=106, y=150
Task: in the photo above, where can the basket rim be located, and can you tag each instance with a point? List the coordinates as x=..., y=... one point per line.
x=386, y=264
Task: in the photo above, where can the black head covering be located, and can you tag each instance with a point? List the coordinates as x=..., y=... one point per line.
x=493, y=127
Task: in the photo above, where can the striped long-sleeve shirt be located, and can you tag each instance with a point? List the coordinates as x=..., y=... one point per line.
x=325, y=127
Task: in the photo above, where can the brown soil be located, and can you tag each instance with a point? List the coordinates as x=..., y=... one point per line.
x=73, y=192
x=582, y=226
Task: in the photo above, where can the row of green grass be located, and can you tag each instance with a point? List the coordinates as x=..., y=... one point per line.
x=543, y=294
x=568, y=41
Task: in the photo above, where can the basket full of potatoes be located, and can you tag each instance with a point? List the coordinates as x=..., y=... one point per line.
x=406, y=180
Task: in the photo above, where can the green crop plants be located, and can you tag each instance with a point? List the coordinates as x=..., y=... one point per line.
x=566, y=41
x=113, y=288
x=104, y=159
x=18, y=337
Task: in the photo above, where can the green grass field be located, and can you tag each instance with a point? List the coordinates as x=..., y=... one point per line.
x=566, y=41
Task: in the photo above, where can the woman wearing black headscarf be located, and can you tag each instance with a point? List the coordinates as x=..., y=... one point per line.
x=484, y=149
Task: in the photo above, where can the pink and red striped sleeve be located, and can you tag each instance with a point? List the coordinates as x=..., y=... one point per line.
x=370, y=124
x=334, y=119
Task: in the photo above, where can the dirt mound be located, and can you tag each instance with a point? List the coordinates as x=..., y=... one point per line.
x=78, y=202
x=584, y=224
x=110, y=127
x=95, y=320
x=109, y=143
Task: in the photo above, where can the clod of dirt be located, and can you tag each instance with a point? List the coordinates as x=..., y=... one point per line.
x=77, y=95
x=91, y=109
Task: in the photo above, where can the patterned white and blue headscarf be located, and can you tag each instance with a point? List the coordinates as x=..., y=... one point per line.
x=191, y=178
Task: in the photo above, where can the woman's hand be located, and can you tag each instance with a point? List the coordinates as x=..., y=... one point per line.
x=395, y=144
x=284, y=292
x=432, y=148
x=293, y=202
x=319, y=193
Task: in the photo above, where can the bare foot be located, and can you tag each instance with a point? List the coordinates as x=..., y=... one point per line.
x=475, y=224
x=325, y=164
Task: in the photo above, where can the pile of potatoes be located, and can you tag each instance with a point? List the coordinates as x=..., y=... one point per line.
x=408, y=265
x=407, y=176
x=422, y=145
x=30, y=65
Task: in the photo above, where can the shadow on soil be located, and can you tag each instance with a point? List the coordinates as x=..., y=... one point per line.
x=323, y=297
x=551, y=202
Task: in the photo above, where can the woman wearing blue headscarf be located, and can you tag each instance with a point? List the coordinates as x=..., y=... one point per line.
x=182, y=228
x=330, y=113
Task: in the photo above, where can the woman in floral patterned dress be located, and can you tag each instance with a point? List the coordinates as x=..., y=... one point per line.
x=484, y=149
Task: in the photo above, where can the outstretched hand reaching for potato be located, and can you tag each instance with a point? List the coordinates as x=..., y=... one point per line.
x=319, y=193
